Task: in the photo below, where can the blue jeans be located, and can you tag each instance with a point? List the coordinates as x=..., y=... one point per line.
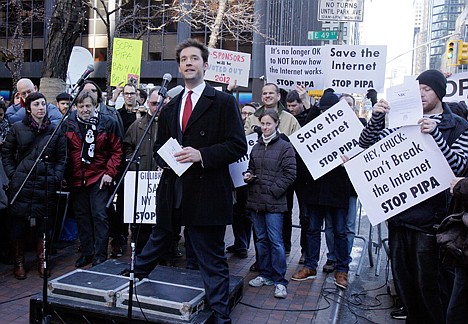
x=271, y=258
x=338, y=217
x=350, y=230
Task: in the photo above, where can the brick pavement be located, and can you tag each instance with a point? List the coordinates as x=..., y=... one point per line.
x=257, y=305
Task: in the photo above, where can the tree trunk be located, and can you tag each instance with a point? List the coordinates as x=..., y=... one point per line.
x=64, y=29
x=15, y=62
x=51, y=87
x=217, y=24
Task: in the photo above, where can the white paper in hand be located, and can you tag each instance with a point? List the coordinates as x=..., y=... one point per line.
x=167, y=151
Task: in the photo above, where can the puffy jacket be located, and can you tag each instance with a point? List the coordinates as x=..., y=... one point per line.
x=16, y=113
x=274, y=166
x=20, y=151
x=107, y=152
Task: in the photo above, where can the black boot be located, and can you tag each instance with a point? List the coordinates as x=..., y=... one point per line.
x=19, y=271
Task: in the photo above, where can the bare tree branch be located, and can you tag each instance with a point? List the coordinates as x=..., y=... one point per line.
x=234, y=18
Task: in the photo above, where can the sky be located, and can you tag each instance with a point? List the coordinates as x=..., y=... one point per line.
x=391, y=23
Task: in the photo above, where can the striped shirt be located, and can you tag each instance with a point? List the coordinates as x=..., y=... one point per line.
x=456, y=155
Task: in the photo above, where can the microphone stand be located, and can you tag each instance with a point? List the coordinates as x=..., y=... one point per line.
x=133, y=159
x=45, y=316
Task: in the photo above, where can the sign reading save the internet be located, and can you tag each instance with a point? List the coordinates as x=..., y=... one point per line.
x=228, y=66
x=323, y=141
x=354, y=68
x=398, y=172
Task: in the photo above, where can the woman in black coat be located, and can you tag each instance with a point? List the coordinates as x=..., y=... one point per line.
x=272, y=169
x=22, y=146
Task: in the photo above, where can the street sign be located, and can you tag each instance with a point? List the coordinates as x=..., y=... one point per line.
x=340, y=10
x=324, y=34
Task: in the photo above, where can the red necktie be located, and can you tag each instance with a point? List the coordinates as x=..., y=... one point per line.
x=187, y=110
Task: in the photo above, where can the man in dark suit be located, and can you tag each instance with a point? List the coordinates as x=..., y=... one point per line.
x=208, y=125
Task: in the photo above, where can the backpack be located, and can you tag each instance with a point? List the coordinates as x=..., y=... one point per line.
x=452, y=237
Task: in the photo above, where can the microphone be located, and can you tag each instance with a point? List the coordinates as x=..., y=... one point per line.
x=167, y=77
x=85, y=75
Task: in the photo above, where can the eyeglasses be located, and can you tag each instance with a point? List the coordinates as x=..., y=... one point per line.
x=129, y=93
x=246, y=113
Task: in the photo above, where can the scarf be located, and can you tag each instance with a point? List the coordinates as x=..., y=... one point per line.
x=267, y=139
x=35, y=125
x=88, y=139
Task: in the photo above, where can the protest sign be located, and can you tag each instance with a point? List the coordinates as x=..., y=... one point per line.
x=323, y=141
x=228, y=66
x=237, y=168
x=398, y=172
x=457, y=88
x=126, y=61
x=354, y=68
x=287, y=66
x=146, y=198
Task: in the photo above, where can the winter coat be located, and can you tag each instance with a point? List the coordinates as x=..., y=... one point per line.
x=133, y=137
x=16, y=113
x=19, y=152
x=333, y=189
x=203, y=193
x=287, y=126
x=274, y=166
x=107, y=152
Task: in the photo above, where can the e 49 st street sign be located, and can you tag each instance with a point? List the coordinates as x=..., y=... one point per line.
x=324, y=34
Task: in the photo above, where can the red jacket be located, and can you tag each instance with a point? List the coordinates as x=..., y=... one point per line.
x=107, y=154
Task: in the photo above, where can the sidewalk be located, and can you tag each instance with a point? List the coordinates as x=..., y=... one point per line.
x=310, y=301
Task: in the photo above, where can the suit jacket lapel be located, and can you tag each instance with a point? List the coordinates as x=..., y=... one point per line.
x=176, y=130
x=203, y=104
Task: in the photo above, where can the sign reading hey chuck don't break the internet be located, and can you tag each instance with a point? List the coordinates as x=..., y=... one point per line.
x=398, y=172
x=323, y=141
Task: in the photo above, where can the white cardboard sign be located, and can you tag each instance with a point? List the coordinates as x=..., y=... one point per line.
x=237, y=168
x=227, y=66
x=323, y=141
x=457, y=88
x=354, y=68
x=288, y=66
x=146, y=198
x=398, y=172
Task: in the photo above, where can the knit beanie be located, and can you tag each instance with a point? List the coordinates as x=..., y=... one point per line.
x=63, y=96
x=436, y=80
x=328, y=99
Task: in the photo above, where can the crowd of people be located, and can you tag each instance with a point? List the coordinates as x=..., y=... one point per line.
x=87, y=153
